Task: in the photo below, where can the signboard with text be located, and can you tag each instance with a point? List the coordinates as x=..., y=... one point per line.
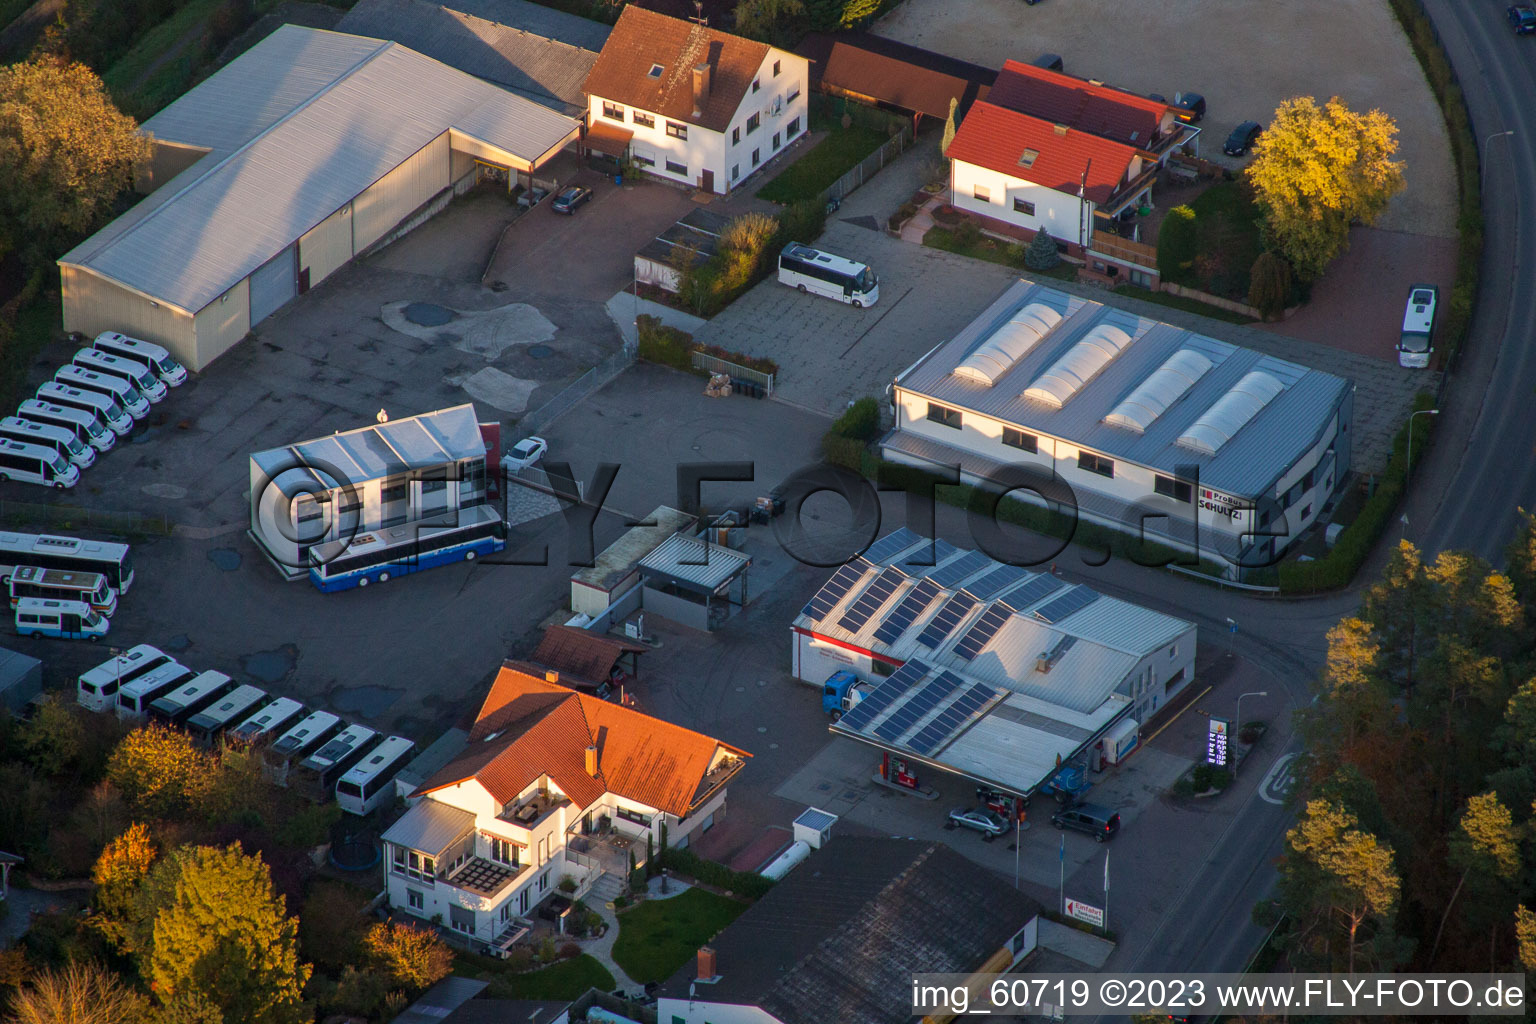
x=1221, y=504
x=1086, y=913
x=1216, y=742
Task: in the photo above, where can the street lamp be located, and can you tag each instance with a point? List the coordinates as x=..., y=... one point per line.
x=1408, y=469
x=1236, y=732
x=1481, y=172
x=1231, y=628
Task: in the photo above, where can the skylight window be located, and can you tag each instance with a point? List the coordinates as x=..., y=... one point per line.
x=655, y=71
x=1029, y=158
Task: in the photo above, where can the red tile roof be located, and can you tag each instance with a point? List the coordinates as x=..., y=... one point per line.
x=1064, y=99
x=642, y=39
x=882, y=69
x=996, y=138
x=529, y=727
x=582, y=653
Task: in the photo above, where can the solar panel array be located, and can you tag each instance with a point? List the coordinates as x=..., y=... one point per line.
x=995, y=582
x=924, y=701
x=957, y=570
x=981, y=634
x=1027, y=593
x=900, y=682
x=833, y=590
x=905, y=613
x=951, y=719
x=944, y=623
x=875, y=595
x=883, y=549
x=927, y=555
x=1072, y=601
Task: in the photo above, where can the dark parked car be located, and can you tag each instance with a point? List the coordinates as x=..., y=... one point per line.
x=1242, y=138
x=1522, y=18
x=569, y=199
x=1191, y=105
x=990, y=825
x=1099, y=822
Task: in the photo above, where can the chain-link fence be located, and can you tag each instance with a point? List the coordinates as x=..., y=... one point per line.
x=581, y=387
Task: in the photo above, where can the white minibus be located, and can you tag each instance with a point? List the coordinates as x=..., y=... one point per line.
x=134, y=698
x=96, y=689
x=119, y=390
x=130, y=370
x=64, y=439
x=66, y=620
x=180, y=704
x=371, y=782
x=35, y=464
x=206, y=726
x=104, y=406
x=62, y=585
x=822, y=273
x=267, y=722
x=154, y=356
x=89, y=427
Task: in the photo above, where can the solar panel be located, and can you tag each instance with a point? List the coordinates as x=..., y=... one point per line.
x=981, y=634
x=1072, y=601
x=883, y=549
x=1027, y=593
x=875, y=595
x=922, y=702
x=953, y=572
x=905, y=613
x=944, y=623
x=899, y=683
x=949, y=721
x=995, y=582
x=926, y=556
x=833, y=590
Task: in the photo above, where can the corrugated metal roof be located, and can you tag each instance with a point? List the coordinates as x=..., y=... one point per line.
x=429, y=826
x=370, y=453
x=695, y=561
x=298, y=125
x=619, y=558
x=1280, y=433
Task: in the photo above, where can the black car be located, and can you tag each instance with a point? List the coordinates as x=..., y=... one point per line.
x=1191, y=106
x=1522, y=18
x=1242, y=138
x=1099, y=822
x=569, y=199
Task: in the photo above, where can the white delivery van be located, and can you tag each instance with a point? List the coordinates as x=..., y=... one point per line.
x=130, y=370
x=65, y=440
x=89, y=427
x=35, y=464
x=121, y=391
x=66, y=620
x=104, y=406
x=154, y=356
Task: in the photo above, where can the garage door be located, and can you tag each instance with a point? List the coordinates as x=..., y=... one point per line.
x=274, y=284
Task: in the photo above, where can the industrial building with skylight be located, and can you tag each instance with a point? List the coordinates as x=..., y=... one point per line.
x=1194, y=443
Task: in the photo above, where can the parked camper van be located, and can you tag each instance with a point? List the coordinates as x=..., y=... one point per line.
x=121, y=391
x=89, y=426
x=36, y=464
x=63, y=439
x=104, y=406
x=207, y=725
x=293, y=745
x=66, y=620
x=154, y=356
x=180, y=704
x=266, y=723
x=97, y=688
x=134, y=697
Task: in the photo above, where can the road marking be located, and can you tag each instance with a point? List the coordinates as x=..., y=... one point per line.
x=872, y=326
x=1176, y=717
x=1278, y=779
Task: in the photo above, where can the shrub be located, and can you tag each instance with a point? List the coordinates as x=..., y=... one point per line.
x=413, y=958
x=665, y=345
x=1176, y=245
x=860, y=421
x=1270, y=284
x=743, y=883
x=569, y=951
x=947, y=214
x=1041, y=255
x=1208, y=777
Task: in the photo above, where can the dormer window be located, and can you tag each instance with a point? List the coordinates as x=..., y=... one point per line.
x=655, y=71
x=1029, y=158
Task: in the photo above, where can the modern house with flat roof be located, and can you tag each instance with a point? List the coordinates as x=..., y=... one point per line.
x=310, y=148
x=1157, y=431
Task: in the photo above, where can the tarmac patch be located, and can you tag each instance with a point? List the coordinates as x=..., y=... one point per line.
x=502, y=390
x=486, y=333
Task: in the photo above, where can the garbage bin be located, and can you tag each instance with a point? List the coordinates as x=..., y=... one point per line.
x=618, y=179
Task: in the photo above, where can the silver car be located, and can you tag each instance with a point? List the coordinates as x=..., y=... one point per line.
x=979, y=819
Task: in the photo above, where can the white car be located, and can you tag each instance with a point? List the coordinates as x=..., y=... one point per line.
x=524, y=454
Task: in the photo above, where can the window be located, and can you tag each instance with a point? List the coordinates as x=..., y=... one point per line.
x=506, y=911
x=393, y=489
x=1095, y=464
x=794, y=95
x=504, y=852
x=881, y=668
x=414, y=900
x=943, y=414
x=673, y=167
x=1018, y=439
x=677, y=131
x=1308, y=480
x=1306, y=511
x=793, y=128
x=1173, y=652
x=398, y=859
x=756, y=158
x=522, y=902
x=1178, y=490
x=613, y=111
x=735, y=171
x=655, y=71
x=643, y=120
x=753, y=122
x=634, y=816
x=544, y=881
x=776, y=142
x=642, y=159
x=1024, y=206
x=776, y=68
x=981, y=192
x=736, y=136
x=755, y=85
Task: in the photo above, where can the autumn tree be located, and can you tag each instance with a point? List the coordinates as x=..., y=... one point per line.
x=1520, y=561
x=951, y=125
x=1317, y=170
x=53, y=738
x=224, y=938
x=159, y=770
x=1486, y=846
x=414, y=958
x=1342, y=886
x=79, y=993
x=1525, y=937
x=66, y=154
x=119, y=873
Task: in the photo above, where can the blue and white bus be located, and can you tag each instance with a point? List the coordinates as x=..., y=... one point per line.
x=380, y=555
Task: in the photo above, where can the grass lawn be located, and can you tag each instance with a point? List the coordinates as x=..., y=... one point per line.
x=567, y=979
x=659, y=936
x=1187, y=305
x=1227, y=234
x=816, y=171
x=170, y=79
x=985, y=247
x=35, y=326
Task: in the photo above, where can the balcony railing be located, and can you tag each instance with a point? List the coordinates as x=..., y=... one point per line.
x=1137, y=253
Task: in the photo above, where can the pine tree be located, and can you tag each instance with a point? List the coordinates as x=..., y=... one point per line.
x=1041, y=254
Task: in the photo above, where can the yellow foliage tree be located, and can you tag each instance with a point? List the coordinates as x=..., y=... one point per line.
x=1317, y=170
x=118, y=874
x=414, y=958
x=159, y=770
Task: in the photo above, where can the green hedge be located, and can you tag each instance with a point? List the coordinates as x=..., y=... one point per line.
x=861, y=421
x=743, y=883
x=669, y=346
x=1355, y=542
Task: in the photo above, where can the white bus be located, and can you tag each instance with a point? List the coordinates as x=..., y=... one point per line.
x=64, y=585
x=207, y=725
x=36, y=464
x=1416, y=344
x=48, y=551
x=371, y=782
x=266, y=722
x=49, y=435
x=822, y=273
x=147, y=352
x=317, y=775
x=295, y=743
x=96, y=689
x=128, y=370
x=135, y=696
x=101, y=405
x=64, y=620
x=89, y=426
x=180, y=704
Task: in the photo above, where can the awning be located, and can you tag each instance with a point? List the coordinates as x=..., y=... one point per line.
x=605, y=138
x=694, y=565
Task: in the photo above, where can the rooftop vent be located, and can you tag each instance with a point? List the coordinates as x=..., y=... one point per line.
x=1061, y=129
x=1028, y=158
x=1008, y=344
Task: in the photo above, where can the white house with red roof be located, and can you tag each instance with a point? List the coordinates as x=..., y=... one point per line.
x=552, y=784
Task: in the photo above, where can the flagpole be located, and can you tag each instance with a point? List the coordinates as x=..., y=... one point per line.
x=1106, y=890
x=1061, y=858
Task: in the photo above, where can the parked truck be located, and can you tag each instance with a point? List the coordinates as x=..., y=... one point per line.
x=842, y=692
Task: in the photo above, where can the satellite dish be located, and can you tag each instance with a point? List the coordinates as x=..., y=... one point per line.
x=382, y=417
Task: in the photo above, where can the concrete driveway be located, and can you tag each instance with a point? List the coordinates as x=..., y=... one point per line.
x=1244, y=56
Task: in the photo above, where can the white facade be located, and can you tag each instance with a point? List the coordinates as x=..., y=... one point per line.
x=699, y=157
x=1003, y=197
x=701, y=1011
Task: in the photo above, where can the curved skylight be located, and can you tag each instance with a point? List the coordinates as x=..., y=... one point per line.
x=1231, y=412
x=1008, y=344
x=1161, y=389
x=1081, y=364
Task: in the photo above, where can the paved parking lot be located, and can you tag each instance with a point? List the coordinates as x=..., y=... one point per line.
x=1244, y=56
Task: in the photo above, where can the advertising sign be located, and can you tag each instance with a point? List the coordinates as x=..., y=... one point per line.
x=1216, y=742
x=1221, y=504
x=1084, y=912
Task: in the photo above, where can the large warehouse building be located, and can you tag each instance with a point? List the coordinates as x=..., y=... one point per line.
x=305, y=151
x=1204, y=446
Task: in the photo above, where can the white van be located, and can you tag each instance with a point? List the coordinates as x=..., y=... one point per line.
x=97, y=688
x=65, y=440
x=154, y=356
x=34, y=464
x=130, y=370
x=104, y=406
x=1415, y=345
x=66, y=620
x=89, y=427
x=133, y=697
x=104, y=384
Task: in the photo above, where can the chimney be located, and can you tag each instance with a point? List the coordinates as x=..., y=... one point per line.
x=701, y=87
x=1043, y=662
x=592, y=759
x=551, y=676
x=707, y=963
x=1061, y=129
